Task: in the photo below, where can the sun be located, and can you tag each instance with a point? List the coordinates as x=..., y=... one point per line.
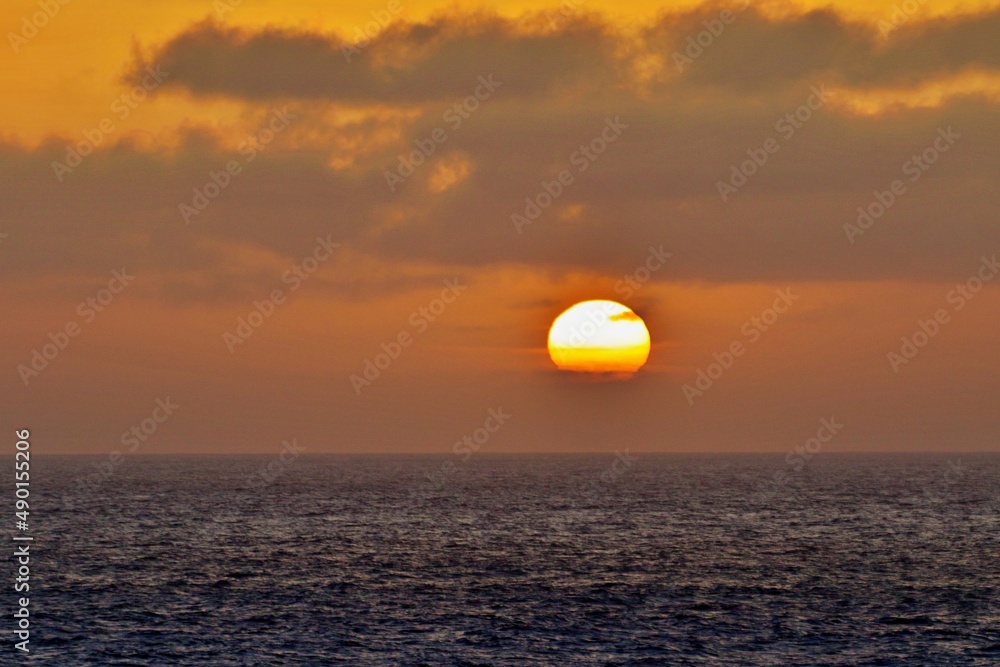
x=599, y=337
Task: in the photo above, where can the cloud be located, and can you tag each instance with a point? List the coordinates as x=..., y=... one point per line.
x=655, y=184
x=404, y=64
x=757, y=53
x=416, y=63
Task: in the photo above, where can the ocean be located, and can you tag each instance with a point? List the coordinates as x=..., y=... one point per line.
x=608, y=559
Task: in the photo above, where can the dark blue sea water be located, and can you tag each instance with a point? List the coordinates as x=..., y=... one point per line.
x=549, y=560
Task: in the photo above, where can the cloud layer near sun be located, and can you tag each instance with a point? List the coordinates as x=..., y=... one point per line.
x=688, y=122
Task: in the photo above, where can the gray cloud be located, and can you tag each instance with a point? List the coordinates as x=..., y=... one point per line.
x=754, y=54
x=410, y=63
x=655, y=184
x=405, y=64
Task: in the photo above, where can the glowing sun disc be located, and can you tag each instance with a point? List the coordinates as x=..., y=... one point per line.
x=599, y=337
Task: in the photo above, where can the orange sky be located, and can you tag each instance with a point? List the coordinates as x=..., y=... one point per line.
x=65, y=78
x=324, y=177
